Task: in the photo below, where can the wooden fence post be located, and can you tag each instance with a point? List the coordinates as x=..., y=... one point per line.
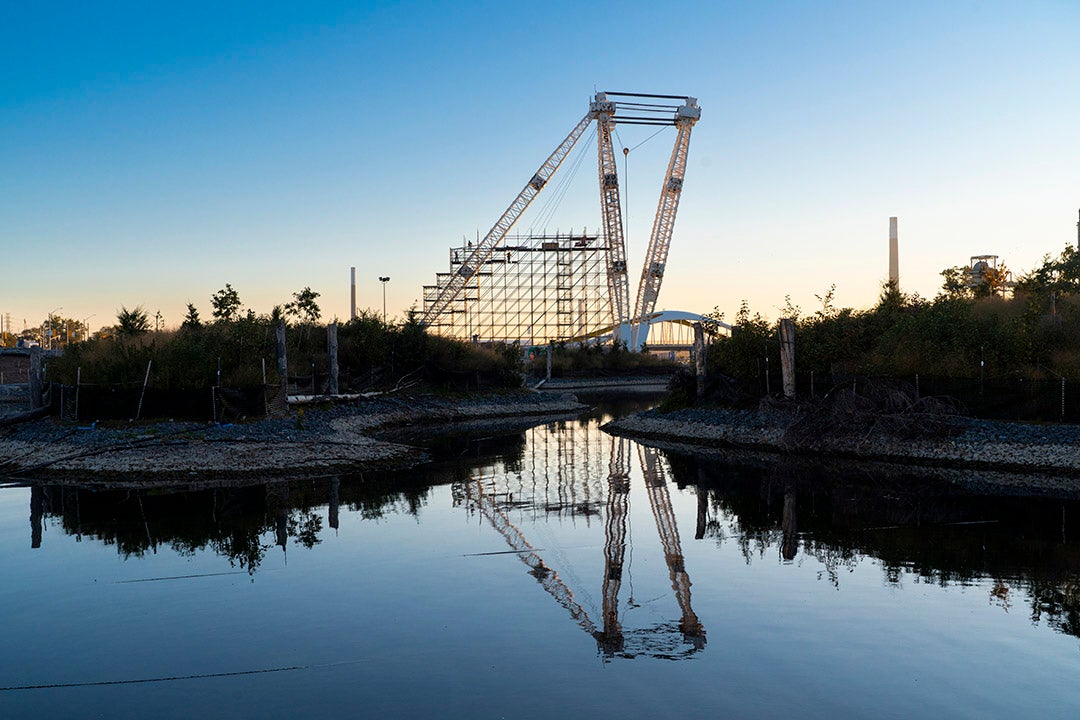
x=335, y=501
x=789, y=546
x=332, y=351
x=787, y=356
x=282, y=367
x=36, y=389
x=699, y=357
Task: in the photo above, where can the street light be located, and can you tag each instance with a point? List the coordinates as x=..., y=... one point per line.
x=48, y=324
x=86, y=326
x=384, y=280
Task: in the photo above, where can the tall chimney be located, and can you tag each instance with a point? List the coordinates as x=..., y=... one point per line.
x=894, y=255
x=352, y=293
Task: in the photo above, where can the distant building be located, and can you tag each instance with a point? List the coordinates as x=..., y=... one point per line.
x=986, y=274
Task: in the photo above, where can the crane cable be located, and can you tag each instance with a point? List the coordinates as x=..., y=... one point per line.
x=554, y=200
x=626, y=176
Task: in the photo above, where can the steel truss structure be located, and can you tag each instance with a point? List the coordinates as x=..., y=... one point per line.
x=521, y=293
x=583, y=476
x=531, y=290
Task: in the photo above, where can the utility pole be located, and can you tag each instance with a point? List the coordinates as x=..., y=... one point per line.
x=384, y=279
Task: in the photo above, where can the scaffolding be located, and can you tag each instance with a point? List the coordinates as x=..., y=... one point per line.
x=532, y=290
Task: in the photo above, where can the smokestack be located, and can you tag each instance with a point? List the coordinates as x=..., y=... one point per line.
x=894, y=255
x=352, y=293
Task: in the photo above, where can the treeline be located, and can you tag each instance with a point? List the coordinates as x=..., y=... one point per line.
x=235, y=348
x=975, y=327
x=575, y=360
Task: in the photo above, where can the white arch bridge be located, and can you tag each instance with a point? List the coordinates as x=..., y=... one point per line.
x=534, y=289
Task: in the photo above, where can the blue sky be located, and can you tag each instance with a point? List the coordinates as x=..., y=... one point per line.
x=150, y=155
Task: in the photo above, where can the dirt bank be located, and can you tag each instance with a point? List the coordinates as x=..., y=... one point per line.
x=319, y=440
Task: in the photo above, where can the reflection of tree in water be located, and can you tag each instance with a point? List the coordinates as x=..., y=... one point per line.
x=243, y=523
x=918, y=527
x=1056, y=602
x=239, y=523
x=305, y=527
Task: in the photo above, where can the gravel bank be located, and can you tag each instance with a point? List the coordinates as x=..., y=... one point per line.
x=982, y=444
x=334, y=438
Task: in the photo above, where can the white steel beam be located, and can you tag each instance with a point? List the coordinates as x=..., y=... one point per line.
x=652, y=274
x=611, y=211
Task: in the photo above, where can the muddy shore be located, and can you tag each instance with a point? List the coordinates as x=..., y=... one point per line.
x=321, y=439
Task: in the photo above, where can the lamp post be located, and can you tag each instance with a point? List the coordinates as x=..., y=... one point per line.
x=86, y=326
x=384, y=279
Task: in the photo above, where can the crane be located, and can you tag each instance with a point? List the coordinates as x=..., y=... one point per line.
x=608, y=109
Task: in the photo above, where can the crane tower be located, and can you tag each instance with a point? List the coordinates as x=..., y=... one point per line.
x=607, y=109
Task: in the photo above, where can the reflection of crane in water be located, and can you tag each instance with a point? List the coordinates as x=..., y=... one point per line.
x=660, y=501
x=548, y=578
x=611, y=641
x=666, y=640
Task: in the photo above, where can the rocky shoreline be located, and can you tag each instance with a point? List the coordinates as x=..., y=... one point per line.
x=320, y=440
x=970, y=443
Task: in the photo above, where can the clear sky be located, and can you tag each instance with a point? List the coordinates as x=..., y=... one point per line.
x=151, y=153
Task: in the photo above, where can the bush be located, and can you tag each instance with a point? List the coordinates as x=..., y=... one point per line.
x=374, y=354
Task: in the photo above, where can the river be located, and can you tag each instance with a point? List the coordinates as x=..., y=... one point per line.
x=556, y=572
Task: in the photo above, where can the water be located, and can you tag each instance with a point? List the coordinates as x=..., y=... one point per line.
x=488, y=585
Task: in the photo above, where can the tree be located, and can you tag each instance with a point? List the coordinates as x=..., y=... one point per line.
x=304, y=305
x=955, y=284
x=828, y=307
x=191, y=320
x=226, y=303
x=132, y=322
x=52, y=331
x=997, y=280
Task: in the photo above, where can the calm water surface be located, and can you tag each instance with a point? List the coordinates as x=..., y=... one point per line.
x=559, y=572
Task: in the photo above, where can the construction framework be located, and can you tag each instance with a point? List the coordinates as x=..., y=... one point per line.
x=532, y=290
x=558, y=298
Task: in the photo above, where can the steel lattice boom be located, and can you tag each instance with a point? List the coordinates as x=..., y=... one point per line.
x=484, y=248
x=611, y=210
x=652, y=273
